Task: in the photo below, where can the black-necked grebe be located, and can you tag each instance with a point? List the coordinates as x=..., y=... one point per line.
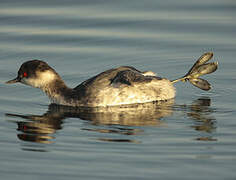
x=118, y=86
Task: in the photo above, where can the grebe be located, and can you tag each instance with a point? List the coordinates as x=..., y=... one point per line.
x=119, y=86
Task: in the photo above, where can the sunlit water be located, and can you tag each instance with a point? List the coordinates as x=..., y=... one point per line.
x=192, y=137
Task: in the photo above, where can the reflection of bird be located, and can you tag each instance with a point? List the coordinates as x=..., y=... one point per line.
x=123, y=85
x=123, y=119
x=147, y=114
x=40, y=128
x=200, y=112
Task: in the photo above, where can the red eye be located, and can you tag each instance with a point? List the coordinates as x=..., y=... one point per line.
x=25, y=74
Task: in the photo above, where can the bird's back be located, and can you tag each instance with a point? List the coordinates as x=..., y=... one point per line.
x=123, y=85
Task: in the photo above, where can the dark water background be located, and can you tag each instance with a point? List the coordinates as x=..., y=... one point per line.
x=192, y=138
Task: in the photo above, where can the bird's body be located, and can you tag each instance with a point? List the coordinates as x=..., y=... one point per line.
x=123, y=85
x=118, y=86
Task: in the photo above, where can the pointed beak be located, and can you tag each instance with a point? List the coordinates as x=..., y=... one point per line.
x=13, y=81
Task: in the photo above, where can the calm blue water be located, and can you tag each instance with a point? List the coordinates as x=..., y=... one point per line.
x=193, y=137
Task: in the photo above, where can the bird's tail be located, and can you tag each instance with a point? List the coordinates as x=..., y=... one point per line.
x=198, y=69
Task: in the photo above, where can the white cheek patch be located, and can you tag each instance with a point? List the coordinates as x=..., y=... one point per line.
x=42, y=80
